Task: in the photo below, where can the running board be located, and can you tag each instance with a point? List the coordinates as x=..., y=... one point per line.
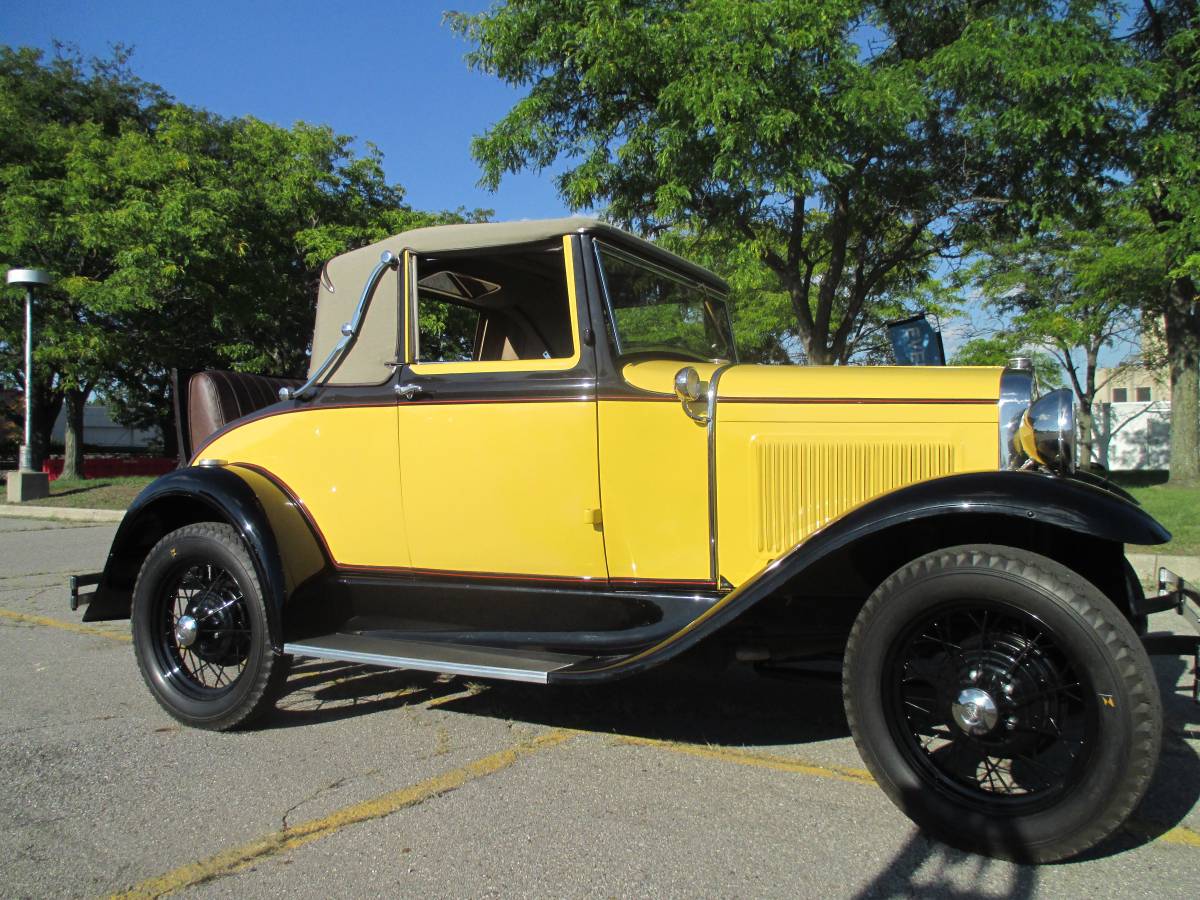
x=502, y=663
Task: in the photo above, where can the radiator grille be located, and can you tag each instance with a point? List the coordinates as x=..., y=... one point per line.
x=801, y=485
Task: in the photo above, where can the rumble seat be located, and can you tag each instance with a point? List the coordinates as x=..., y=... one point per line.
x=216, y=398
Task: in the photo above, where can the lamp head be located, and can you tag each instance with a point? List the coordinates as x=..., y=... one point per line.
x=28, y=276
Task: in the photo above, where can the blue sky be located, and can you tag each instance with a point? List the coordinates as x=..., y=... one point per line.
x=390, y=73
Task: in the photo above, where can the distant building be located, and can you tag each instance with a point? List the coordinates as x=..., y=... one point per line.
x=1132, y=421
x=1133, y=384
x=102, y=433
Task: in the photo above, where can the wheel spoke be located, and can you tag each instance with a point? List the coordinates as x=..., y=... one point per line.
x=219, y=653
x=1031, y=743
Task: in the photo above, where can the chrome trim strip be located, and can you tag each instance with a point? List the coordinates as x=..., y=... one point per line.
x=532, y=676
x=612, y=319
x=387, y=260
x=414, y=312
x=1016, y=394
x=711, y=426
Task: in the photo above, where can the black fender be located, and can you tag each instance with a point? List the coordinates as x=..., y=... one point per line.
x=1072, y=505
x=268, y=519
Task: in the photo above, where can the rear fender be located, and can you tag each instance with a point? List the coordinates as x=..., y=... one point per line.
x=282, y=546
x=1063, y=505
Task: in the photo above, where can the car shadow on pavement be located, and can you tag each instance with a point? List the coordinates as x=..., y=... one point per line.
x=328, y=691
x=685, y=702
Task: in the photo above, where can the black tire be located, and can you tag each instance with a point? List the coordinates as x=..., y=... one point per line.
x=226, y=673
x=1057, y=729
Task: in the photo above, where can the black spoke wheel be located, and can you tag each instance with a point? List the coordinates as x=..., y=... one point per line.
x=1002, y=702
x=204, y=630
x=200, y=629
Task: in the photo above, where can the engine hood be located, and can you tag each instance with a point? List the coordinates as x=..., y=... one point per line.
x=967, y=385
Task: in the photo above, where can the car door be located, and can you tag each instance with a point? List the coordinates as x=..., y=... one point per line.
x=497, y=419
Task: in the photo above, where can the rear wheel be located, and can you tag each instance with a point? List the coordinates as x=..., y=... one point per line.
x=1002, y=702
x=200, y=629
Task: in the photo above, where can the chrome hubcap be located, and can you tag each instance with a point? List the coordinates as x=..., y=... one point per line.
x=975, y=711
x=185, y=631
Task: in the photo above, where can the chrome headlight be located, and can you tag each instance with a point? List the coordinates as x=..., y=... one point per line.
x=1047, y=431
x=1016, y=393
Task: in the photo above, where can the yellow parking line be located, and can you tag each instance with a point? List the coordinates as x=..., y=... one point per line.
x=229, y=861
x=757, y=760
x=1180, y=835
x=65, y=626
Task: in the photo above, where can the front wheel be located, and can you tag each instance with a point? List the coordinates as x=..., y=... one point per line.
x=1002, y=702
x=200, y=629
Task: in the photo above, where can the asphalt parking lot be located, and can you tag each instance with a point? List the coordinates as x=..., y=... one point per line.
x=369, y=781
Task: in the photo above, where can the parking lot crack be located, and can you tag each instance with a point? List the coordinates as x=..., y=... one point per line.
x=291, y=837
x=316, y=795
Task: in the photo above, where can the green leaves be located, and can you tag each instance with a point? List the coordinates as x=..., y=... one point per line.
x=850, y=143
x=179, y=238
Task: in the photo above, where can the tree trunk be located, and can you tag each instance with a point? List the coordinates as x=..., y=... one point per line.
x=1087, y=406
x=1183, y=360
x=76, y=399
x=47, y=402
x=1085, y=437
x=170, y=440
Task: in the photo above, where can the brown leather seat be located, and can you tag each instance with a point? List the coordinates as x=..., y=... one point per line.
x=216, y=398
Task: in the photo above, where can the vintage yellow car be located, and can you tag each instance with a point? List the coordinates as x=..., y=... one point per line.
x=527, y=451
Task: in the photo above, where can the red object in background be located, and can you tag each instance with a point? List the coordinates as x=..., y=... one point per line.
x=114, y=466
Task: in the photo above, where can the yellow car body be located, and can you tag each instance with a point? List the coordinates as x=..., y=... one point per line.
x=617, y=487
x=528, y=451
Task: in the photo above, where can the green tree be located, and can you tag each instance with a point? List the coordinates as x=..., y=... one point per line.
x=999, y=348
x=1072, y=291
x=845, y=145
x=1164, y=159
x=766, y=329
x=52, y=117
x=228, y=223
x=180, y=239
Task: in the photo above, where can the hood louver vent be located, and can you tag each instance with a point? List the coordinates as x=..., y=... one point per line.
x=801, y=485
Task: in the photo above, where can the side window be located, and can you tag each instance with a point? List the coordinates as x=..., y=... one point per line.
x=447, y=331
x=1143, y=395
x=493, y=306
x=1119, y=395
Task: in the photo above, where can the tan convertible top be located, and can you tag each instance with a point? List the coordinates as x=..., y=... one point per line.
x=344, y=276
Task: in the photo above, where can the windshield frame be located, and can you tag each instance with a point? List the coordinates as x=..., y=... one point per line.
x=712, y=298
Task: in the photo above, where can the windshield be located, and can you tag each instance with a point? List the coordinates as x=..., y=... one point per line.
x=654, y=310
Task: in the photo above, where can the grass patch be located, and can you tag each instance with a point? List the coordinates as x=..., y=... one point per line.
x=1177, y=508
x=93, y=493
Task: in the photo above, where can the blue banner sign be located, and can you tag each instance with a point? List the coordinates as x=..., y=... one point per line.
x=916, y=343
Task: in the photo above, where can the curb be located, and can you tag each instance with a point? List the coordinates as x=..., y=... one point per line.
x=61, y=514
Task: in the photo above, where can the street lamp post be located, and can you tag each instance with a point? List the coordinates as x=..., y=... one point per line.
x=27, y=484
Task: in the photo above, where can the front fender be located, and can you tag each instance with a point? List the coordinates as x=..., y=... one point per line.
x=259, y=509
x=1073, y=505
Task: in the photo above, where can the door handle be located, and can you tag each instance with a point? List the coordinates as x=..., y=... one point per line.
x=409, y=391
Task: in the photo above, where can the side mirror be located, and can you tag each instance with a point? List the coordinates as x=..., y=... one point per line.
x=690, y=391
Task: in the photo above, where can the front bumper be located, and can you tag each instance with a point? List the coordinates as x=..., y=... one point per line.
x=1174, y=594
